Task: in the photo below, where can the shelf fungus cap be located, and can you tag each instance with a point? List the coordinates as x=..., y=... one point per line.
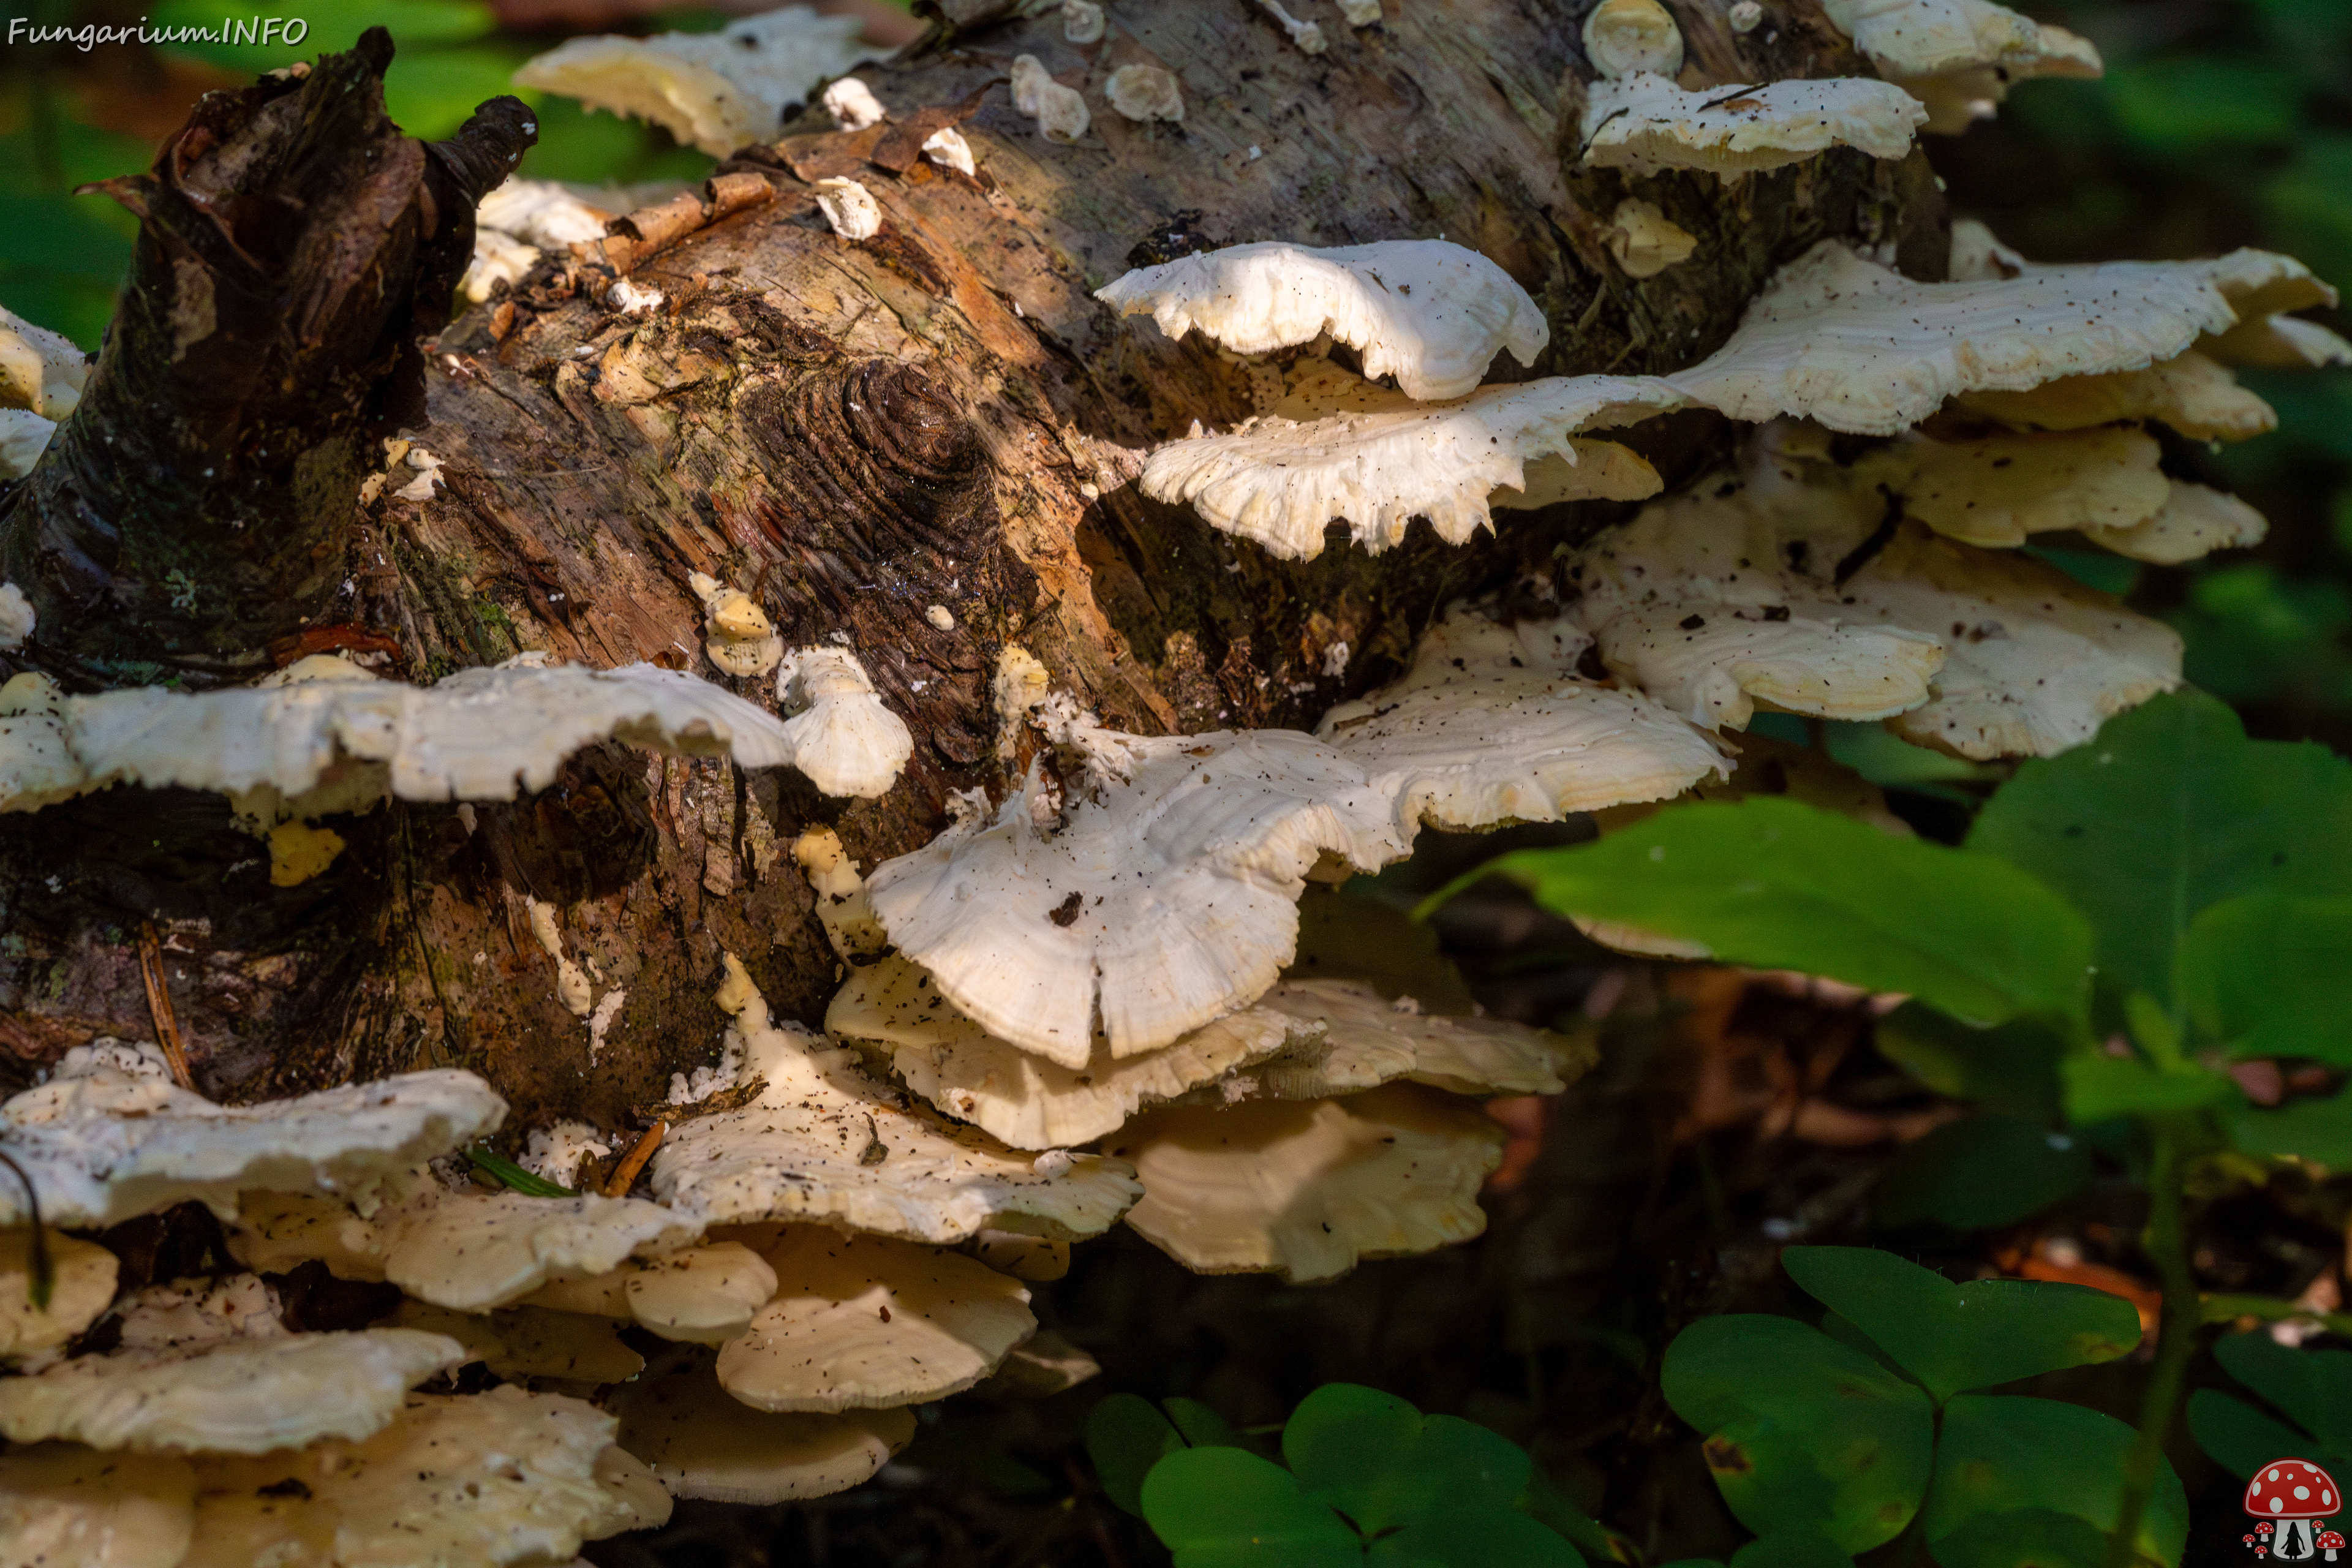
x=243, y=1396
x=83, y=1275
x=1645, y=123
x=1492, y=724
x=1145, y=93
x=1622, y=37
x=865, y=1322
x=740, y=639
x=1431, y=313
x=1164, y=900
x=852, y=105
x=720, y=90
x=72, y=1507
x=40, y=371
x=705, y=1295
x=496, y=1480
x=1959, y=57
x=825, y=1142
x=1997, y=491
x=38, y=766
x=1030, y=1103
x=541, y=212
x=1644, y=241
x=104, y=1144
x=1306, y=1189
x=849, y=208
x=948, y=149
x=2194, y=522
x=842, y=736
x=2189, y=392
x=1862, y=349
x=702, y=1442
x=1278, y=482
x=1060, y=111
x=475, y=1253
x=516, y=1342
x=1359, y=1039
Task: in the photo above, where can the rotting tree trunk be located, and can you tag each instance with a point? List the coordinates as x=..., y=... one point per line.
x=856, y=433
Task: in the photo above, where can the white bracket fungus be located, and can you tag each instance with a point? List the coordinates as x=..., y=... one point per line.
x=1306, y=1189
x=541, y=212
x=472, y=1253
x=741, y=640
x=841, y=735
x=948, y=149
x=38, y=767
x=1859, y=348
x=1060, y=111
x=1168, y=901
x=1622, y=37
x=825, y=1142
x=864, y=1322
x=103, y=1144
x=703, y=1442
x=852, y=105
x=849, y=208
x=1429, y=312
x=1030, y=1103
x=24, y=436
x=1145, y=92
x=480, y=735
x=2194, y=522
x=245, y=1396
x=1492, y=724
x=2189, y=392
x=41, y=372
x=1357, y=1039
x=530, y=1342
x=489, y=1480
x=1082, y=22
x=1959, y=57
x=1644, y=241
x=83, y=1276
x=1279, y=483
x=705, y=1295
x=842, y=906
x=498, y=259
x=1645, y=124
x=629, y=299
x=720, y=90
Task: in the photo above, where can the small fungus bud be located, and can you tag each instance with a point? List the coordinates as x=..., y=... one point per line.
x=1622, y=37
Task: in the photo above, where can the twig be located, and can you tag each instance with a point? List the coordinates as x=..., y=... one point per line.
x=1597, y=130
x=159, y=1005
x=2176, y=1339
x=40, y=1274
x=624, y=1174
x=2270, y=1309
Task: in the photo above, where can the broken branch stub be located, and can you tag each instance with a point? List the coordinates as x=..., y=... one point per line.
x=293, y=245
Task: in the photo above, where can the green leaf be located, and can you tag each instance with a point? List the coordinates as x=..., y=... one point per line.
x=1124, y=1437
x=2313, y=1388
x=1803, y=1433
x=2264, y=975
x=429, y=93
x=1488, y=1538
x=1771, y=882
x=2195, y=101
x=508, y=1174
x=2101, y=1087
x=2012, y=1068
x=1998, y=1454
x=1382, y=1463
x=2169, y=812
x=2319, y=1130
x=2242, y=1439
x=1791, y=1549
x=2023, y=1538
x=1979, y=1172
x=1200, y=1425
x=1953, y=1337
x=1226, y=1508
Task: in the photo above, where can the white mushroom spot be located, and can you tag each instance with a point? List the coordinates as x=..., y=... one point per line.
x=721, y=90
x=842, y=906
x=1360, y=12
x=572, y=987
x=843, y=736
x=1645, y=124
x=1644, y=241
x=2278, y=1505
x=428, y=468
x=1082, y=22
x=554, y=1153
x=742, y=641
x=849, y=207
x=1622, y=37
x=1307, y=35
x=498, y=259
x=17, y=618
x=1745, y=17
x=1144, y=92
x=1060, y=111
x=631, y=299
x=940, y=616
x=1335, y=660
x=852, y=105
x=1430, y=314
x=542, y=214
x=947, y=148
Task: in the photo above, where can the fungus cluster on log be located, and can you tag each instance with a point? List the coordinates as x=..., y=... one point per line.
x=1075, y=1005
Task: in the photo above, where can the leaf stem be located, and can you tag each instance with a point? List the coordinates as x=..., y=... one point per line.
x=2270, y=1309
x=2167, y=1245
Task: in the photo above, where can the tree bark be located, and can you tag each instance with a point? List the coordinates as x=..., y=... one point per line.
x=855, y=433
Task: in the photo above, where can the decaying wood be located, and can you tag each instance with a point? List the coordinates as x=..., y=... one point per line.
x=856, y=434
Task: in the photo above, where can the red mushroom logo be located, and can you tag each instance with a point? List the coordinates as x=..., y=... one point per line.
x=2291, y=1494
x=2331, y=1542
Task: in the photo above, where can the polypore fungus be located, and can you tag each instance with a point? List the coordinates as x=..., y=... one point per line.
x=1645, y=123
x=1622, y=37
x=474, y=1253
x=1431, y=313
x=2194, y=522
x=823, y=1142
x=1145, y=93
x=73, y=1507
x=1959, y=57
x=1167, y=899
x=720, y=90
x=864, y=1322
x=741, y=640
x=849, y=208
x=1357, y=1039
x=701, y=1442
x=516, y=1342
x=948, y=149
x=852, y=105
x=1279, y=483
x=893, y=1007
x=1492, y=724
x=1082, y=22
x=81, y=1287
x=842, y=736
x=1644, y=242
x=1305, y=1189
x=1060, y=111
